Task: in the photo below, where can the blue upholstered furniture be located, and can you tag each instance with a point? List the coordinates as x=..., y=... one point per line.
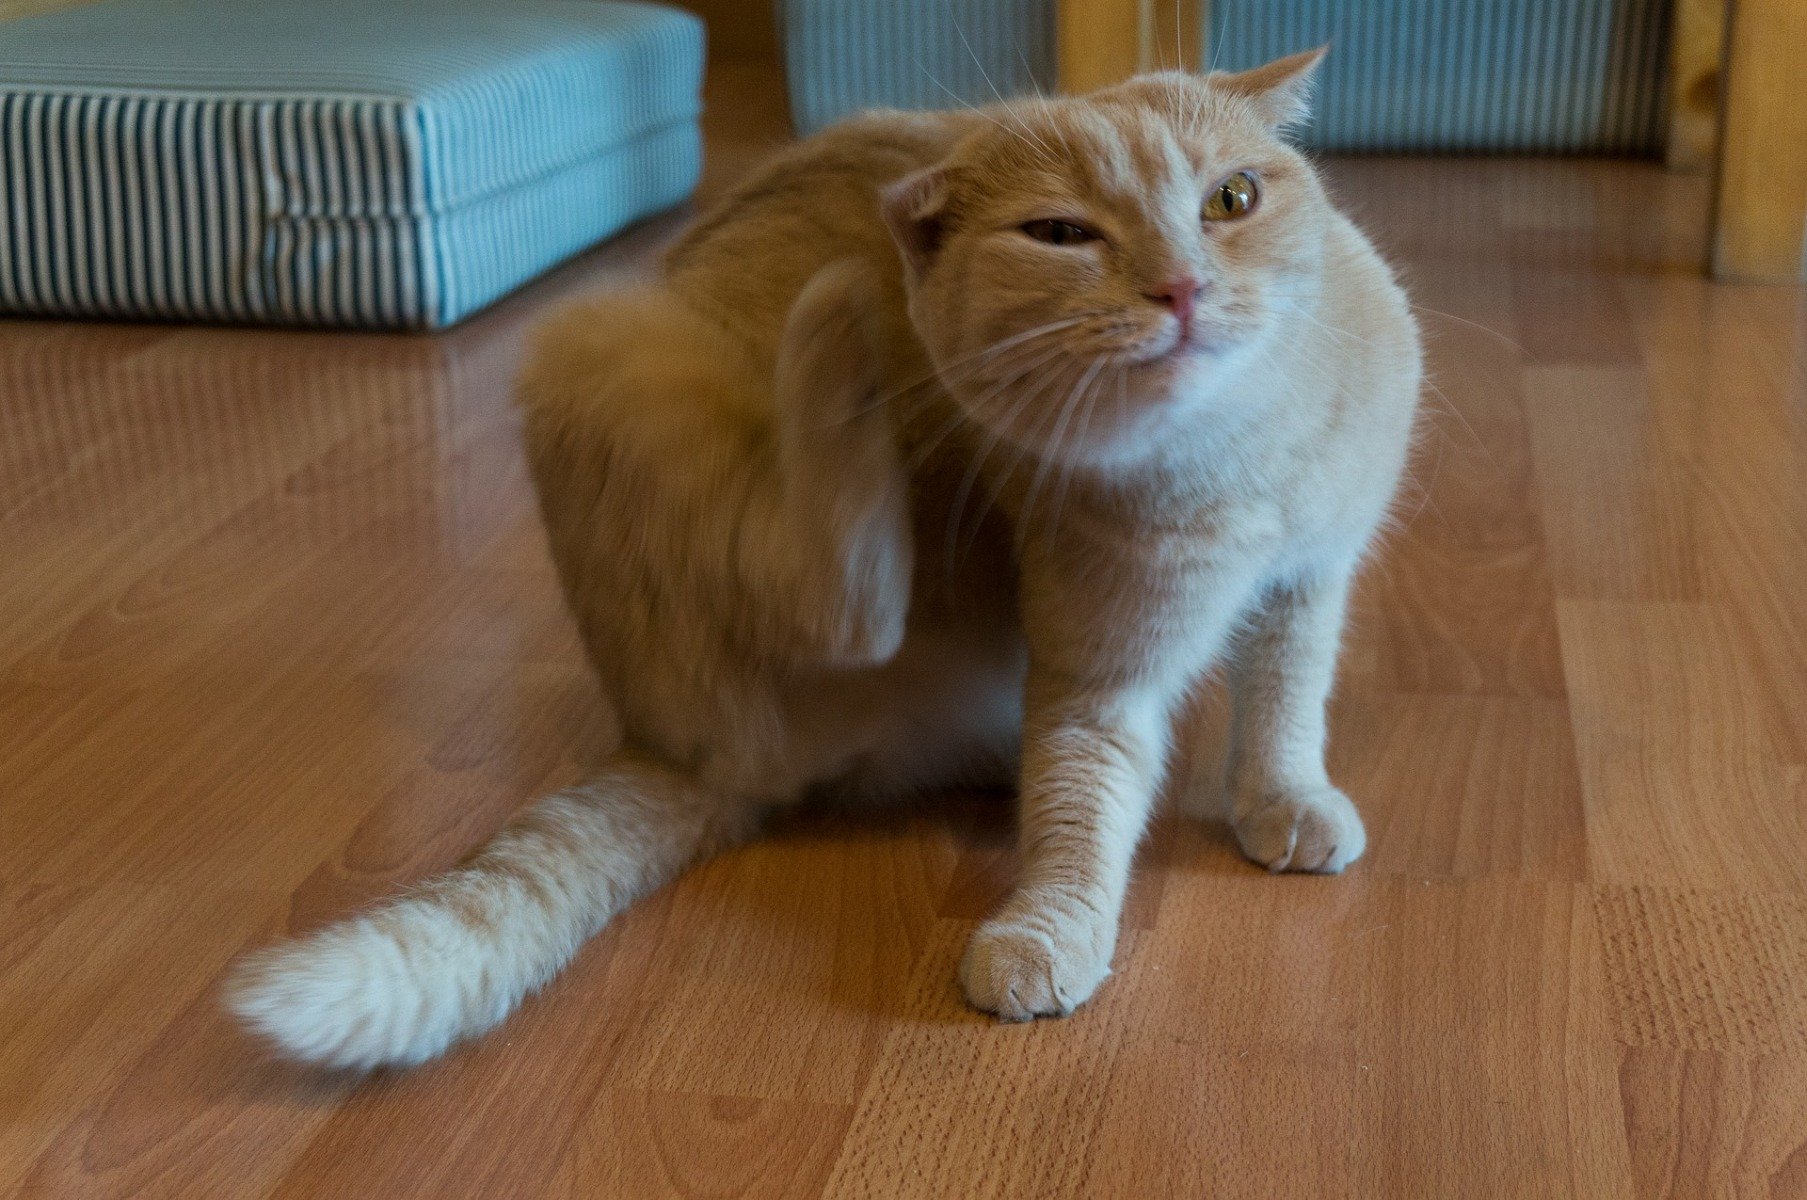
x=370, y=163
x=845, y=55
x=1447, y=75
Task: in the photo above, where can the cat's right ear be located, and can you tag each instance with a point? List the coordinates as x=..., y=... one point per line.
x=1280, y=90
x=915, y=210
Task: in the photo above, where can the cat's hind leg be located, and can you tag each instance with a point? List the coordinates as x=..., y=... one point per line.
x=835, y=529
x=768, y=503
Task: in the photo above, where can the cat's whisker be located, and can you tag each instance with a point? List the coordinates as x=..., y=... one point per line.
x=960, y=415
x=1021, y=135
x=1299, y=310
x=1431, y=384
x=956, y=416
x=1041, y=95
x=1449, y=406
x=956, y=510
x=1037, y=435
x=952, y=372
x=1029, y=72
x=1072, y=463
x=986, y=76
x=1052, y=455
x=1437, y=312
x=996, y=491
x=1424, y=498
x=925, y=450
x=994, y=436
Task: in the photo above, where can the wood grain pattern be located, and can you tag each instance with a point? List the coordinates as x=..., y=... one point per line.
x=1465, y=596
x=1620, y=526
x=278, y=634
x=1682, y=780
x=1463, y=787
x=1508, y=1095
x=673, y=1144
x=1705, y=970
x=1702, y=1124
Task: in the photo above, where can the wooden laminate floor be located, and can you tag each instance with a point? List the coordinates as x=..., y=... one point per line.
x=278, y=633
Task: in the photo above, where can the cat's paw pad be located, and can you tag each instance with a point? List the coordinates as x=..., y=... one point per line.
x=1317, y=830
x=1019, y=972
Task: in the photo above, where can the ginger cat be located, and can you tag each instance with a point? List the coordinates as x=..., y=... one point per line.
x=948, y=448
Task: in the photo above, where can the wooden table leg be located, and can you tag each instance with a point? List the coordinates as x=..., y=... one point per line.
x=1104, y=41
x=1696, y=54
x=1760, y=210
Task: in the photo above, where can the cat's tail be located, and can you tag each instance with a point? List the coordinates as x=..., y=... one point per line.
x=401, y=982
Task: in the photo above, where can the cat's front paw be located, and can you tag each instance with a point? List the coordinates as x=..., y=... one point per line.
x=1307, y=830
x=1019, y=971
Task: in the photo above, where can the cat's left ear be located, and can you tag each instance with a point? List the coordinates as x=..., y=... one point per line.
x=915, y=210
x=1280, y=90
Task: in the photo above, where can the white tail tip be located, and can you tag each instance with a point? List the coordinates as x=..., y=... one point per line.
x=356, y=995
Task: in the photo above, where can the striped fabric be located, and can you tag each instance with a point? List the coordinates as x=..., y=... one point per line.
x=1468, y=75
x=392, y=165
x=1449, y=75
x=846, y=55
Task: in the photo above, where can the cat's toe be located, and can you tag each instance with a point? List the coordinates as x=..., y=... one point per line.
x=1020, y=972
x=1317, y=830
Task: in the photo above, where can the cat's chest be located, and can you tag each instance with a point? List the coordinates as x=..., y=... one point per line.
x=1147, y=598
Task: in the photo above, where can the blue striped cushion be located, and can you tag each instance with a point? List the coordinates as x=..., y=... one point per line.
x=845, y=55
x=384, y=163
x=1584, y=76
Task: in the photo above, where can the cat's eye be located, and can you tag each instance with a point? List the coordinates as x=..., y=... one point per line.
x=1232, y=198
x=1059, y=233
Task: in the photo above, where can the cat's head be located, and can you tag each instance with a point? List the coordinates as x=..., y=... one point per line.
x=1117, y=250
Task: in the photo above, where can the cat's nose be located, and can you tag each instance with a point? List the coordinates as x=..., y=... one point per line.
x=1179, y=294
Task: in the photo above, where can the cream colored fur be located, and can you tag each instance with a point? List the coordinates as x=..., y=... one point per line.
x=874, y=491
